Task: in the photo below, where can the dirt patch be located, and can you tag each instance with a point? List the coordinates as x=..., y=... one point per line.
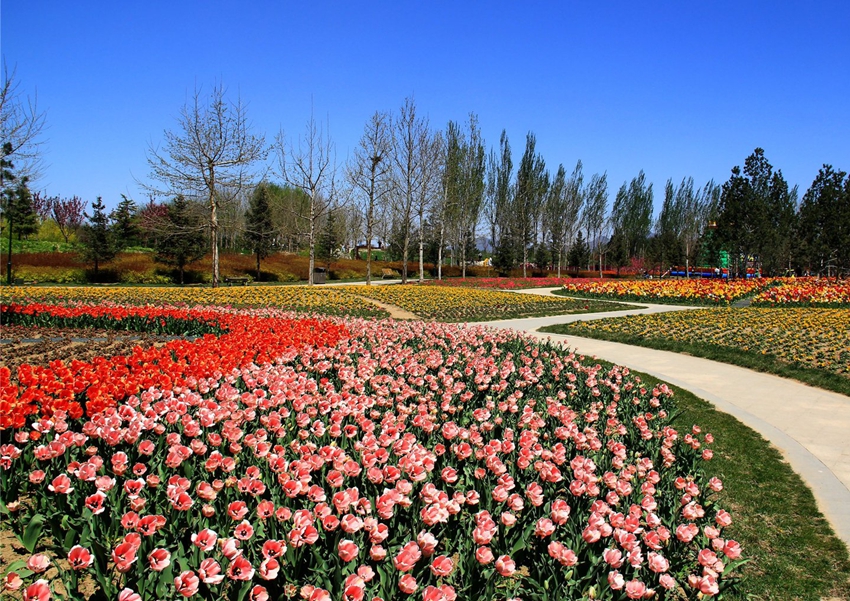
x=39, y=346
x=395, y=312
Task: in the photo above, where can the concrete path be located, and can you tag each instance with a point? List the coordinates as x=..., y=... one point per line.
x=810, y=426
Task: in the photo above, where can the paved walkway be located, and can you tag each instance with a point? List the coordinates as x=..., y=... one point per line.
x=810, y=426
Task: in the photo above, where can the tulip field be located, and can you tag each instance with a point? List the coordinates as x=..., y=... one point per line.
x=501, y=283
x=805, y=293
x=676, y=291
x=426, y=302
x=472, y=304
x=277, y=456
x=814, y=341
x=325, y=301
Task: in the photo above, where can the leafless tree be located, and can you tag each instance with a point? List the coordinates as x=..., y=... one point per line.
x=369, y=173
x=21, y=128
x=310, y=166
x=68, y=213
x=211, y=156
x=430, y=189
x=410, y=135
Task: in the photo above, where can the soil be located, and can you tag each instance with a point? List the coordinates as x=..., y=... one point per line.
x=40, y=346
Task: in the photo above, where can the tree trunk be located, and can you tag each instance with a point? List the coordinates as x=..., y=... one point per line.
x=214, y=227
x=405, y=249
x=312, y=263
x=463, y=254
x=524, y=259
x=440, y=251
x=258, y=265
x=369, y=218
x=421, y=251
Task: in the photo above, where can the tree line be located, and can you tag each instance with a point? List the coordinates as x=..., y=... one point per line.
x=428, y=195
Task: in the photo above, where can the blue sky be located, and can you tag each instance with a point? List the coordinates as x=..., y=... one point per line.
x=674, y=88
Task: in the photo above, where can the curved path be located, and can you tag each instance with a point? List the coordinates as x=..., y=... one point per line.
x=810, y=426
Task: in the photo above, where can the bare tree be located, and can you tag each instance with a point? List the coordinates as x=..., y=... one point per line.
x=21, y=126
x=310, y=167
x=369, y=172
x=68, y=213
x=410, y=134
x=210, y=156
x=430, y=189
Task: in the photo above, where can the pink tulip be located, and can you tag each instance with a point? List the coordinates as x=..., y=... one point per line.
x=187, y=583
x=38, y=591
x=442, y=566
x=348, y=551
x=38, y=563
x=505, y=565
x=159, y=559
x=129, y=595
x=407, y=584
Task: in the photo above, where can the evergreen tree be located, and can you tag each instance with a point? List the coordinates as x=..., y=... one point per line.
x=823, y=230
x=98, y=237
x=327, y=248
x=579, y=255
x=125, y=220
x=180, y=237
x=756, y=215
x=19, y=211
x=259, y=227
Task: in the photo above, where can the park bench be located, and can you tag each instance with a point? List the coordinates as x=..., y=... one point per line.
x=242, y=281
x=23, y=282
x=386, y=272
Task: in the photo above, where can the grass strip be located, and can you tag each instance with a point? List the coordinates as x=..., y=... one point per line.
x=794, y=553
x=500, y=313
x=655, y=300
x=766, y=363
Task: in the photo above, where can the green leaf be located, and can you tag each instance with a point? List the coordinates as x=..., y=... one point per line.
x=244, y=590
x=19, y=567
x=33, y=532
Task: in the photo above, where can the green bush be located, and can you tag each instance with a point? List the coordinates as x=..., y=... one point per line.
x=53, y=275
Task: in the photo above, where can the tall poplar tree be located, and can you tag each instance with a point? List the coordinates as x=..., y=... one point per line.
x=532, y=183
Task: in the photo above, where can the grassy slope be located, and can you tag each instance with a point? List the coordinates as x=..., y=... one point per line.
x=724, y=354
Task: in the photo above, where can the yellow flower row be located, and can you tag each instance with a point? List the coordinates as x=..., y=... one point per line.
x=815, y=338
x=331, y=301
x=453, y=304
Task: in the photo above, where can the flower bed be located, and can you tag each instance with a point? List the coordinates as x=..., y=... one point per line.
x=806, y=293
x=447, y=303
x=685, y=291
x=96, y=386
x=408, y=460
x=501, y=283
x=812, y=338
x=328, y=301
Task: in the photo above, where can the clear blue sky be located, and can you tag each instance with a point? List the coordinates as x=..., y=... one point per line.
x=674, y=88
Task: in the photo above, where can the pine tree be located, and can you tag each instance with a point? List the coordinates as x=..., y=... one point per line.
x=125, y=221
x=180, y=239
x=98, y=236
x=259, y=226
